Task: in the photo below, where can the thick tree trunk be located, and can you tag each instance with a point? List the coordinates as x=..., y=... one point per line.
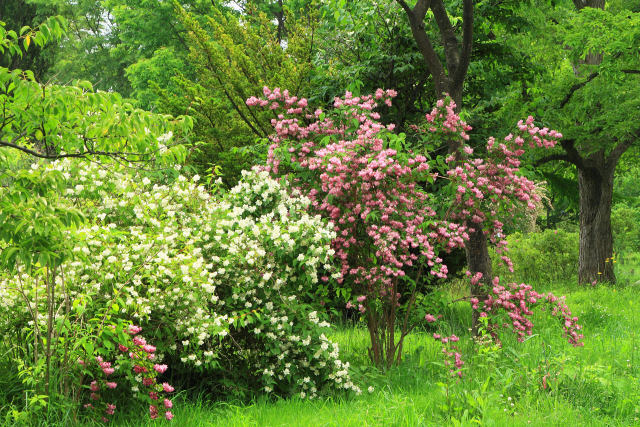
x=595, y=186
x=478, y=260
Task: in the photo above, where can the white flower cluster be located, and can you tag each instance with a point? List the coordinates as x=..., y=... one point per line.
x=205, y=275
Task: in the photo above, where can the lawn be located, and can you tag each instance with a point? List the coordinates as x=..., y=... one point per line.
x=543, y=381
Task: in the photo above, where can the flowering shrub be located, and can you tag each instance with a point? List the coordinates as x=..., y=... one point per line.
x=211, y=281
x=133, y=362
x=355, y=173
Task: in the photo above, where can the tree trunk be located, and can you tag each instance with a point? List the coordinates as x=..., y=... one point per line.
x=479, y=261
x=595, y=185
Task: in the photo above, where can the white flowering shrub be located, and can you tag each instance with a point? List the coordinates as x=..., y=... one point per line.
x=224, y=284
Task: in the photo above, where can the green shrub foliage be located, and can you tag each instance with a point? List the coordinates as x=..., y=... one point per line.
x=547, y=256
x=223, y=284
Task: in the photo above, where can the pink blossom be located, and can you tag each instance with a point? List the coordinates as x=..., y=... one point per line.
x=134, y=329
x=149, y=348
x=167, y=388
x=160, y=368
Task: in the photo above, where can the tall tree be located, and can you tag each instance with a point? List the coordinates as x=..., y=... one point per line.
x=598, y=112
x=448, y=77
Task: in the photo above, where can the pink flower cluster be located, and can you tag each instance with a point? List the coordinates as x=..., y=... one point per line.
x=491, y=188
x=452, y=358
x=365, y=188
x=140, y=358
x=517, y=301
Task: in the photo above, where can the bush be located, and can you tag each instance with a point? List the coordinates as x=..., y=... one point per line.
x=222, y=285
x=547, y=256
x=625, y=225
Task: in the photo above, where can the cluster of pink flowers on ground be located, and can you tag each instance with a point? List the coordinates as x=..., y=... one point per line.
x=140, y=356
x=365, y=188
x=452, y=357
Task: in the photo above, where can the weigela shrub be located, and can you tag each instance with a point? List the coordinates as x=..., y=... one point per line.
x=219, y=283
x=355, y=172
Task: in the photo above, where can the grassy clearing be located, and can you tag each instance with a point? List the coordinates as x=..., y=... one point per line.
x=594, y=385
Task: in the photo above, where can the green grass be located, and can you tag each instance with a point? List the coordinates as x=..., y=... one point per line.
x=595, y=385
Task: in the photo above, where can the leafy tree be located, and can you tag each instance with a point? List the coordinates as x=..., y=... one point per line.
x=21, y=13
x=230, y=57
x=596, y=102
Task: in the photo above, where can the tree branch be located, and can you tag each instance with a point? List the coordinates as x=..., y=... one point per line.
x=551, y=158
x=576, y=87
x=421, y=7
x=619, y=150
x=405, y=6
x=467, y=43
x=86, y=153
x=568, y=145
x=416, y=17
x=449, y=39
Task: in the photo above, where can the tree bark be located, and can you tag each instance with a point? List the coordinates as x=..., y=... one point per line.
x=595, y=186
x=478, y=260
x=449, y=79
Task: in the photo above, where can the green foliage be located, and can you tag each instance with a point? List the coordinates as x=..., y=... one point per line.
x=625, y=225
x=222, y=287
x=229, y=60
x=547, y=256
x=365, y=46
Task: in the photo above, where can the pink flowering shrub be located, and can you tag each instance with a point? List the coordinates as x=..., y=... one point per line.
x=354, y=171
x=487, y=191
x=128, y=364
x=512, y=307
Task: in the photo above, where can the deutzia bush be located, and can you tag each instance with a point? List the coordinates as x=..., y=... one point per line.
x=224, y=284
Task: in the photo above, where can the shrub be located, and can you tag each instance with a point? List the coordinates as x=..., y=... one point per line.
x=547, y=256
x=625, y=225
x=224, y=285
